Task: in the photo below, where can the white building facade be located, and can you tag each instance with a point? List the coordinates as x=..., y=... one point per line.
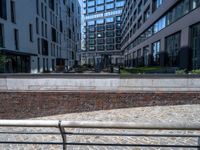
x=39, y=35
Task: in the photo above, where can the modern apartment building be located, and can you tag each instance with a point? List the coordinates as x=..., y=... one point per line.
x=103, y=31
x=39, y=35
x=161, y=33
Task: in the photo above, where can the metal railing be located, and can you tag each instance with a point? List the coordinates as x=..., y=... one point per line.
x=62, y=125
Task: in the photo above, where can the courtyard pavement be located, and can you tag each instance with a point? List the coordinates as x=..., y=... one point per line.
x=158, y=114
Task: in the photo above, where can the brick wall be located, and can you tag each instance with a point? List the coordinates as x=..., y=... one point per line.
x=23, y=105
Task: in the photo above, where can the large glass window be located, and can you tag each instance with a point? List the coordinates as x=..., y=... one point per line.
x=195, y=4
x=16, y=39
x=3, y=10
x=156, y=53
x=159, y=25
x=1, y=36
x=12, y=10
x=146, y=55
x=172, y=44
x=195, y=45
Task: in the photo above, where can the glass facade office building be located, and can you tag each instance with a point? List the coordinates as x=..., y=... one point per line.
x=103, y=30
x=161, y=33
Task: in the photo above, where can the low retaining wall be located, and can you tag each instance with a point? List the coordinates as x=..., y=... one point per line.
x=23, y=105
x=29, y=96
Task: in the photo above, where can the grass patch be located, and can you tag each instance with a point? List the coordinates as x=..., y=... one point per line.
x=146, y=70
x=139, y=70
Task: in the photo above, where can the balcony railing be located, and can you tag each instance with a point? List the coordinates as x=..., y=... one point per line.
x=63, y=125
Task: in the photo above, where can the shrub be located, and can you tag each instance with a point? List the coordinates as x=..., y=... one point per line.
x=197, y=71
x=181, y=72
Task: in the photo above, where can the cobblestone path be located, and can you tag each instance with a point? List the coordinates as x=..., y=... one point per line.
x=183, y=113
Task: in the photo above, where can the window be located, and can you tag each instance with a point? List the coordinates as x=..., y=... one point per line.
x=100, y=8
x=159, y=25
x=110, y=41
x=16, y=39
x=72, y=7
x=30, y=32
x=146, y=55
x=100, y=47
x=91, y=36
x=139, y=7
x=110, y=34
x=1, y=35
x=100, y=21
x=100, y=28
x=120, y=4
x=110, y=6
x=53, y=35
x=99, y=2
x=139, y=22
x=109, y=47
x=44, y=47
x=100, y=35
x=195, y=3
x=118, y=18
x=107, y=1
x=37, y=25
x=3, y=10
x=12, y=9
x=52, y=4
x=91, y=42
x=42, y=10
x=37, y=7
x=156, y=53
x=91, y=48
x=38, y=45
x=91, y=10
x=147, y=13
x=91, y=3
x=110, y=26
x=195, y=45
x=172, y=44
x=100, y=41
x=109, y=20
x=157, y=4
x=38, y=64
x=90, y=23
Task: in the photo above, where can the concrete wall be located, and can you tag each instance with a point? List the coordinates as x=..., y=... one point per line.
x=106, y=83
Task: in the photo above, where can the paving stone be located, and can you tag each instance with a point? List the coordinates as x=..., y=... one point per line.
x=160, y=114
